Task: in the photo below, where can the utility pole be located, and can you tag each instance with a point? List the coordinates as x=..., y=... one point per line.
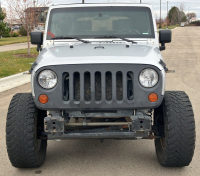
x=83, y=1
x=167, y=8
x=34, y=13
x=167, y=13
x=188, y=15
x=140, y=1
x=160, y=15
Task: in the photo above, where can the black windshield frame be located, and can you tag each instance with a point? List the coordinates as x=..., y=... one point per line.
x=114, y=8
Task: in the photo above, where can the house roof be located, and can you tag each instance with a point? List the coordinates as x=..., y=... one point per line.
x=38, y=9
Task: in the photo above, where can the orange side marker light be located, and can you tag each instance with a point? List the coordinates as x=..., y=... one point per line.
x=153, y=97
x=43, y=99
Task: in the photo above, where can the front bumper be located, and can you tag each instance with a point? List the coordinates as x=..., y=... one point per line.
x=97, y=135
x=59, y=101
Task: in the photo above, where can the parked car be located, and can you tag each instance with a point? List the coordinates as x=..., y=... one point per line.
x=15, y=28
x=182, y=24
x=40, y=28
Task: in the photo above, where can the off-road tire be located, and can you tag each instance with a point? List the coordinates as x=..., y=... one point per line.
x=175, y=116
x=23, y=121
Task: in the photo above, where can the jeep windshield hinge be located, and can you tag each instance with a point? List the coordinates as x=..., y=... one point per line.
x=33, y=66
x=165, y=67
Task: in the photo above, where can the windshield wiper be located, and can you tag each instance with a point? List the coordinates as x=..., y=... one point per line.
x=66, y=37
x=127, y=40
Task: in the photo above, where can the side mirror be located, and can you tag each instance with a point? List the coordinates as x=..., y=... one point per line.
x=37, y=39
x=165, y=36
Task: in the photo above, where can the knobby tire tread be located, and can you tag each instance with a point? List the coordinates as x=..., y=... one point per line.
x=21, y=140
x=180, y=136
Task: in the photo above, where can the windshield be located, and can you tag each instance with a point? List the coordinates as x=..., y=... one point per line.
x=93, y=22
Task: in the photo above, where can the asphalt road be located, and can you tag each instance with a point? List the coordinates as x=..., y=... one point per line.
x=14, y=47
x=113, y=158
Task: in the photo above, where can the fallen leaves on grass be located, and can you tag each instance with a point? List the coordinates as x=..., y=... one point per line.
x=12, y=40
x=25, y=55
x=13, y=62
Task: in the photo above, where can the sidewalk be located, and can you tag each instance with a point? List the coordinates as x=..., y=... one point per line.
x=18, y=79
x=15, y=46
x=14, y=81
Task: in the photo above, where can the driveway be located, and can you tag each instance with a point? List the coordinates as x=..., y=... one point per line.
x=116, y=158
x=15, y=46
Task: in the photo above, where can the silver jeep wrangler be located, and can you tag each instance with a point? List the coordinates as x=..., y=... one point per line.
x=100, y=75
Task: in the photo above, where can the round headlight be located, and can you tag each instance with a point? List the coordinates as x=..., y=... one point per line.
x=47, y=79
x=148, y=78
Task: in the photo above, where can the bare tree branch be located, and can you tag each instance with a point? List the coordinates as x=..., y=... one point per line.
x=25, y=11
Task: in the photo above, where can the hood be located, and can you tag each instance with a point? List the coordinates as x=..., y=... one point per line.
x=100, y=53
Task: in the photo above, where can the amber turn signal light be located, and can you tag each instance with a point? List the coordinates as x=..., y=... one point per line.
x=43, y=99
x=153, y=97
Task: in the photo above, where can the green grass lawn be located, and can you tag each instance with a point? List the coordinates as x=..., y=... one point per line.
x=12, y=40
x=10, y=65
x=170, y=27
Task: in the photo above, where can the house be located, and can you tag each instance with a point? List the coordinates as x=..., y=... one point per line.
x=14, y=22
x=40, y=14
x=192, y=19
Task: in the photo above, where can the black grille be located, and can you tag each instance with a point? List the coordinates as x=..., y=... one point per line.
x=97, y=86
x=75, y=81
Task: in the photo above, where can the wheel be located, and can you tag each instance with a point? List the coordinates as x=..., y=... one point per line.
x=24, y=120
x=175, y=124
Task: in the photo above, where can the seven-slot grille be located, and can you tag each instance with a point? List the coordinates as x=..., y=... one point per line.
x=98, y=86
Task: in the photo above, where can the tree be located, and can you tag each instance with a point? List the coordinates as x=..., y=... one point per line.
x=167, y=21
x=184, y=19
x=172, y=15
x=176, y=14
x=180, y=13
x=191, y=15
x=3, y=29
x=25, y=10
x=11, y=16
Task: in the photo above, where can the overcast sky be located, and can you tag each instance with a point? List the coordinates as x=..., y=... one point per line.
x=192, y=5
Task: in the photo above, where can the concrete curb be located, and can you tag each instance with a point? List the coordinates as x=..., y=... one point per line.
x=15, y=46
x=174, y=28
x=14, y=81
x=169, y=29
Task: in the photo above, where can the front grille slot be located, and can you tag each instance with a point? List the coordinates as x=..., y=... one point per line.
x=87, y=86
x=66, y=86
x=76, y=86
x=98, y=86
x=108, y=86
x=130, y=85
x=119, y=86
